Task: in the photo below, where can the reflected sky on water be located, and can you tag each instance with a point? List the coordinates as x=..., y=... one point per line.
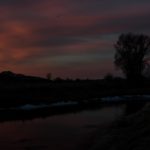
x=61, y=132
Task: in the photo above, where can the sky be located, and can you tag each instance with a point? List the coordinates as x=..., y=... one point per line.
x=67, y=38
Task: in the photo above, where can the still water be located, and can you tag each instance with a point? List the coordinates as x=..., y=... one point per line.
x=60, y=132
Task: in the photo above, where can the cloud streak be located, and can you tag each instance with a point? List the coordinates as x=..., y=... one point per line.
x=52, y=36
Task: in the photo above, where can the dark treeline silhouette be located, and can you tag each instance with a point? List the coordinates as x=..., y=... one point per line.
x=19, y=90
x=9, y=77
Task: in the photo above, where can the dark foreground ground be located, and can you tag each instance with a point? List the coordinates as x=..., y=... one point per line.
x=132, y=132
x=18, y=92
x=17, y=89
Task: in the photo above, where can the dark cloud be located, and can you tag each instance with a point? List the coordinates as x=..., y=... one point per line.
x=58, y=34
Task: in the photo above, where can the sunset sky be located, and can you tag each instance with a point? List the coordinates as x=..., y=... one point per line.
x=69, y=38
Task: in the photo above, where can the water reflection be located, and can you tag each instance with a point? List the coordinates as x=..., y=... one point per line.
x=61, y=132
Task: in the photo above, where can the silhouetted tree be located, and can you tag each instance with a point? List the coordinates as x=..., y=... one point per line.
x=131, y=52
x=108, y=77
x=49, y=76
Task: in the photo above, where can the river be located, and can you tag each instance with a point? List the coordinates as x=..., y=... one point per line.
x=60, y=132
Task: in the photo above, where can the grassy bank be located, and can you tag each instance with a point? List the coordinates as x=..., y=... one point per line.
x=132, y=132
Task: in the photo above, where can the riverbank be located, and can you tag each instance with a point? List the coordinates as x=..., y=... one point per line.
x=44, y=110
x=130, y=132
x=17, y=90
